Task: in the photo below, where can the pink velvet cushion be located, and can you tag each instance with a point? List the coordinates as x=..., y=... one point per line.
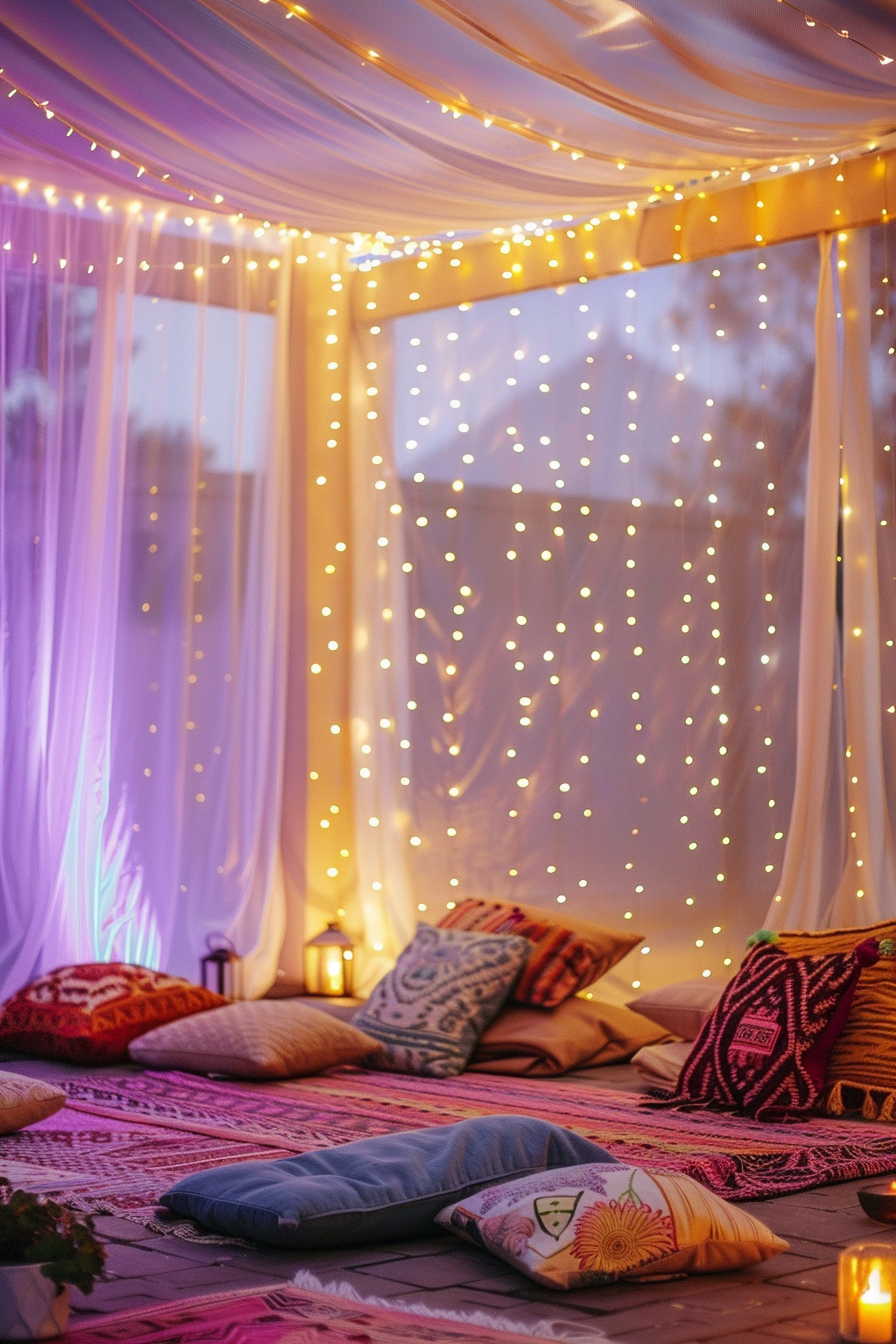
x=764, y=1049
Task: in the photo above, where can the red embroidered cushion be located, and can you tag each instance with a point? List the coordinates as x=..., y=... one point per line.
x=88, y=1014
x=563, y=959
x=764, y=1049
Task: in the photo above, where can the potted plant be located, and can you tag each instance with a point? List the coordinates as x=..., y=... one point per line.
x=43, y=1248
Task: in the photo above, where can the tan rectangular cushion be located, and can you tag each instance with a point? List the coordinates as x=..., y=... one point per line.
x=266, y=1038
x=861, y=1072
x=660, y=1065
x=577, y=1034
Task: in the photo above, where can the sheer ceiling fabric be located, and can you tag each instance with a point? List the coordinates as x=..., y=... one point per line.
x=286, y=120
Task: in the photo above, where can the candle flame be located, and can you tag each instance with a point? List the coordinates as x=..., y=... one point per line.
x=874, y=1294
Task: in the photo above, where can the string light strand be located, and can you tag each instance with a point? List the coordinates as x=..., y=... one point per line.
x=812, y=22
x=192, y=193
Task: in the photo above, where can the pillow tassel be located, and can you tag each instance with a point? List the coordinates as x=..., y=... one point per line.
x=870, y=1108
x=872, y=1103
x=834, y=1104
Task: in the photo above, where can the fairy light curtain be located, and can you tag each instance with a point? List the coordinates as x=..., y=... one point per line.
x=421, y=115
x=579, y=531
x=143, y=591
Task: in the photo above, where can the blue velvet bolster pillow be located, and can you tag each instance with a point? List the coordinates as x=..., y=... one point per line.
x=387, y=1188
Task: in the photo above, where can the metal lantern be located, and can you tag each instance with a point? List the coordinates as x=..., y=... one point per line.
x=223, y=965
x=329, y=963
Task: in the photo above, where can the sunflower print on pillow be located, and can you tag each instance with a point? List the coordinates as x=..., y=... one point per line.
x=617, y=1238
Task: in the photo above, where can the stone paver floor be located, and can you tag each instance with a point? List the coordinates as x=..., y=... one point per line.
x=791, y=1297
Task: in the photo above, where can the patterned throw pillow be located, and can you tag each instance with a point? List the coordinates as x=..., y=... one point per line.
x=862, y=1067
x=764, y=1049
x=580, y=1227
x=562, y=960
x=445, y=988
x=267, y=1038
x=88, y=1014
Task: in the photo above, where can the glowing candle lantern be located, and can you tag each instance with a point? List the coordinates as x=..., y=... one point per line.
x=329, y=963
x=867, y=1278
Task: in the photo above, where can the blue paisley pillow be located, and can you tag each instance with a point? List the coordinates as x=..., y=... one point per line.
x=446, y=987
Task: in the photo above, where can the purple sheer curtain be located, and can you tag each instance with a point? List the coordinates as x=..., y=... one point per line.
x=142, y=593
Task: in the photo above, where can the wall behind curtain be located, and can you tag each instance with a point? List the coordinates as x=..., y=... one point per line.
x=143, y=590
x=579, y=536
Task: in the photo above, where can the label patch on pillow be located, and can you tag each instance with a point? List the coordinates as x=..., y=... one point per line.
x=756, y=1035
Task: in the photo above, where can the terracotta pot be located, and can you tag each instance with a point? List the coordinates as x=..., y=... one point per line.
x=31, y=1306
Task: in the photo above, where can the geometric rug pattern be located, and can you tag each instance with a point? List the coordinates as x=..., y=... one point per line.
x=736, y=1158
x=101, y=1164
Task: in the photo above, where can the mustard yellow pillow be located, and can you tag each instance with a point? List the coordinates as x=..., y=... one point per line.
x=580, y=1227
x=861, y=1072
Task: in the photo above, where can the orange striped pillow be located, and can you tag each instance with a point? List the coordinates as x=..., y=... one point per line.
x=563, y=960
x=861, y=1072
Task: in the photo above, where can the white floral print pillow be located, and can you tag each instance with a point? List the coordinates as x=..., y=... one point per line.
x=579, y=1227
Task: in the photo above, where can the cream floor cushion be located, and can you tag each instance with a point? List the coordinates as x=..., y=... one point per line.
x=24, y=1101
x=264, y=1038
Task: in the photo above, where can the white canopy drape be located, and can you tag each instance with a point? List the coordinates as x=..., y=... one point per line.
x=419, y=115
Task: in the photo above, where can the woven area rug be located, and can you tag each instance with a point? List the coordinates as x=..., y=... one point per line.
x=736, y=1158
x=283, y=1315
x=107, y=1164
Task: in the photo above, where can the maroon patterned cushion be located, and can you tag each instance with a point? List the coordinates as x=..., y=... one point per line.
x=764, y=1049
x=88, y=1014
x=563, y=959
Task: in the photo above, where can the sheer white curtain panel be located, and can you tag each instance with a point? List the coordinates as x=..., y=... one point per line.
x=143, y=592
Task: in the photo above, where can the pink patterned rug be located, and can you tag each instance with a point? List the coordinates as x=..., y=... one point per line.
x=216, y=1122
x=281, y=1315
x=106, y=1164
